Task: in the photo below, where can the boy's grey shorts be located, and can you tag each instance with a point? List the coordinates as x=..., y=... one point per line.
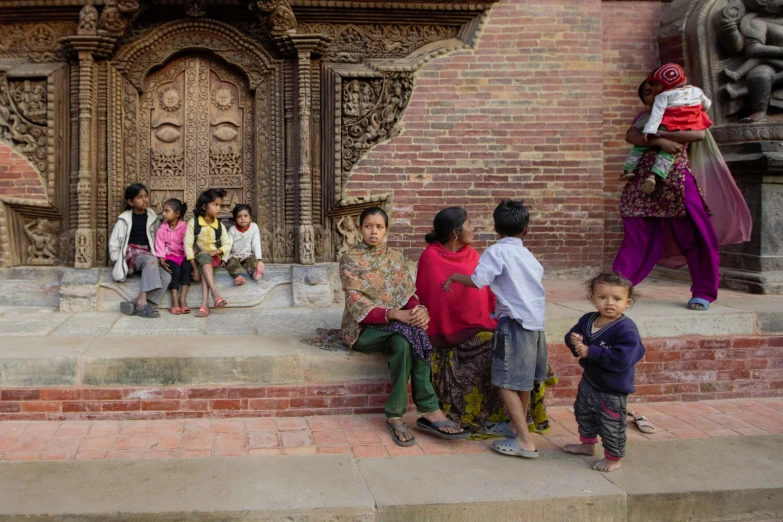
x=518, y=356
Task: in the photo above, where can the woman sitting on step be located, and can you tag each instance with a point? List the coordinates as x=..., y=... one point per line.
x=461, y=332
x=382, y=314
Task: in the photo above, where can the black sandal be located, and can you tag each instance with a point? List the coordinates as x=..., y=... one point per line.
x=436, y=428
x=403, y=430
x=147, y=312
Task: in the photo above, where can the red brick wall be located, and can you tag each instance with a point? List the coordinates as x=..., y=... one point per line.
x=18, y=179
x=521, y=116
x=630, y=52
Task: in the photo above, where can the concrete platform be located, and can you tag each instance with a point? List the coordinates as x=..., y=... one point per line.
x=705, y=480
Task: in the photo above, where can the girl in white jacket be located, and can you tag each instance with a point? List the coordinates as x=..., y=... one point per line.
x=132, y=248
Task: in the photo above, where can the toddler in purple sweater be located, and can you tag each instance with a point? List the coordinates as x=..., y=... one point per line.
x=608, y=346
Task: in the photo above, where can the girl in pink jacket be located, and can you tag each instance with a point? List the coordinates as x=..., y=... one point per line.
x=170, y=249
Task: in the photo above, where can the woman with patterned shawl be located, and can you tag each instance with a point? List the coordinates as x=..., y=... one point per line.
x=461, y=331
x=674, y=226
x=382, y=314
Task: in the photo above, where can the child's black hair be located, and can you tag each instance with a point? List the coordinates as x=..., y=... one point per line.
x=239, y=208
x=371, y=212
x=205, y=198
x=640, y=90
x=511, y=218
x=446, y=222
x=612, y=279
x=177, y=206
x=131, y=191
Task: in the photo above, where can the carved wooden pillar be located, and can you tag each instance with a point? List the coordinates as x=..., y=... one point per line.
x=84, y=49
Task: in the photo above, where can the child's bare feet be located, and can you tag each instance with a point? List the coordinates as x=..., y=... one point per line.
x=580, y=449
x=203, y=312
x=239, y=281
x=607, y=465
x=259, y=273
x=649, y=185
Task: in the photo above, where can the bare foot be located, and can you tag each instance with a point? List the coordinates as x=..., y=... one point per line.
x=437, y=416
x=403, y=436
x=239, y=281
x=606, y=465
x=203, y=312
x=756, y=116
x=580, y=449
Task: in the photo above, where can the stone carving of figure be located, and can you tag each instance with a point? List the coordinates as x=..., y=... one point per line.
x=754, y=29
x=43, y=242
x=88, y=20
x=350, y=233
x=266, y=244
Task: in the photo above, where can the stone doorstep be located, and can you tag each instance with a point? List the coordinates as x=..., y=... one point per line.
x=708, y=480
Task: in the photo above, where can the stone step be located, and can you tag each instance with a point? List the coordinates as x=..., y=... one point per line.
x=706, y=480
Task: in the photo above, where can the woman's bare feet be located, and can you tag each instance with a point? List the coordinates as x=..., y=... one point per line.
x=580, y=449
x=438, y=416
x=607, y=465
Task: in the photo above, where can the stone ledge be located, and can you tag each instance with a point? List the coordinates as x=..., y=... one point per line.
x=677, y=481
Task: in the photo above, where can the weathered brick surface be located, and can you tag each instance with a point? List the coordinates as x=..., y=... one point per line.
x=521, y=116
x=684, y=369
x=630, y=51
x=18, y=179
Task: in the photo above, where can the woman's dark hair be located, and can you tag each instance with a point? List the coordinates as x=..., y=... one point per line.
x=205, y=198
x=239, y=208
x=131, y=191
x=177, y=206
x=446, y=222
x=612, y=279
x=511, y=218
x=640, y=90
x=371, y=212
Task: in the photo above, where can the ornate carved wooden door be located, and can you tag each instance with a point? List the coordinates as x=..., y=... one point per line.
x=196, y=132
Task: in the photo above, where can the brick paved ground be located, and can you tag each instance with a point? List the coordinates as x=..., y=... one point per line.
x=363, y=436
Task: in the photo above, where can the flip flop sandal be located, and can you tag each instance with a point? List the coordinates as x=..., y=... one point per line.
x=128, y=308
x=174, y=310
x=435, y=428
x=185, y=310
x=403, y=430
x=220, y=303
x=643, y=423
x=511, y=447
x=147, y=312
x=500, y=429
x=698, y=301
x=204, y=310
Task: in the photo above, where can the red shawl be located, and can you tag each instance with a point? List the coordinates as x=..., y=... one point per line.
x=454, y=316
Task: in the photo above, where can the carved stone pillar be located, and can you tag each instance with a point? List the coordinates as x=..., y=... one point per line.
x=84, y=49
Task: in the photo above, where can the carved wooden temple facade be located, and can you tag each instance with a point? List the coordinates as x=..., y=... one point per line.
x=273, y=101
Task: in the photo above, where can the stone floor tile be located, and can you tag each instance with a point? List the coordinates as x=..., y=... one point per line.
x=691, y=434
x=21, y=456
x=669, y=423
x=377, y=422
x=700, y=422
x=722, y=433
x=130, y=442
x=55, y=455
x=166, y=426
x=6, y=443
x=135, y=427
x=229, y=426
x=730, y=421
x=752, y=406
x=776, y=403
x=262, y=439
x=359, y=437
x=265, y=452
x=42, y=429
x=89, y=324
x=294, y=439
x=236, y=452
x=774, y=430
x=90, y=455
x=197, y=441
x=760, y=420
x=302, y=450
x=102, y=443
x=163, y=441
x=29, y=444
x=353, y=423
x=699, y=408
x=260, y=424
x=334, y=450
x=400, y=451
x=470, y=446
x=437, y=448
x=751, y=432
x=194, y=454
x=77, y=429
x=384, y=436
x=104, y=428
x=230, y=441
x=161, y=454
x=725, y=406
x=197, y=425
x=165, y=325
x=291, y=424
x=331, y=438
x=64, y=444
x=367, y=452
x=230, y=322
x=130, y=455
x=664, y=435
x=323, y=423
x=19, y=324
x=12, y=428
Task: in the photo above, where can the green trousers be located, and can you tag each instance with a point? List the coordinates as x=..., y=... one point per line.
x=235, y=266
x=403, y=366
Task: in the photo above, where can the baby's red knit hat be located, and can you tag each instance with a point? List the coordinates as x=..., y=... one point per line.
x=670, y=76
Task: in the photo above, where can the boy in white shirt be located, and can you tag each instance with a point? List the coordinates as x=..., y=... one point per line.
x=677, y=107
x=519, y=356
x=246, y=247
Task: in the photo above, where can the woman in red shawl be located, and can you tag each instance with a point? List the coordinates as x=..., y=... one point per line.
x=461, y=326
